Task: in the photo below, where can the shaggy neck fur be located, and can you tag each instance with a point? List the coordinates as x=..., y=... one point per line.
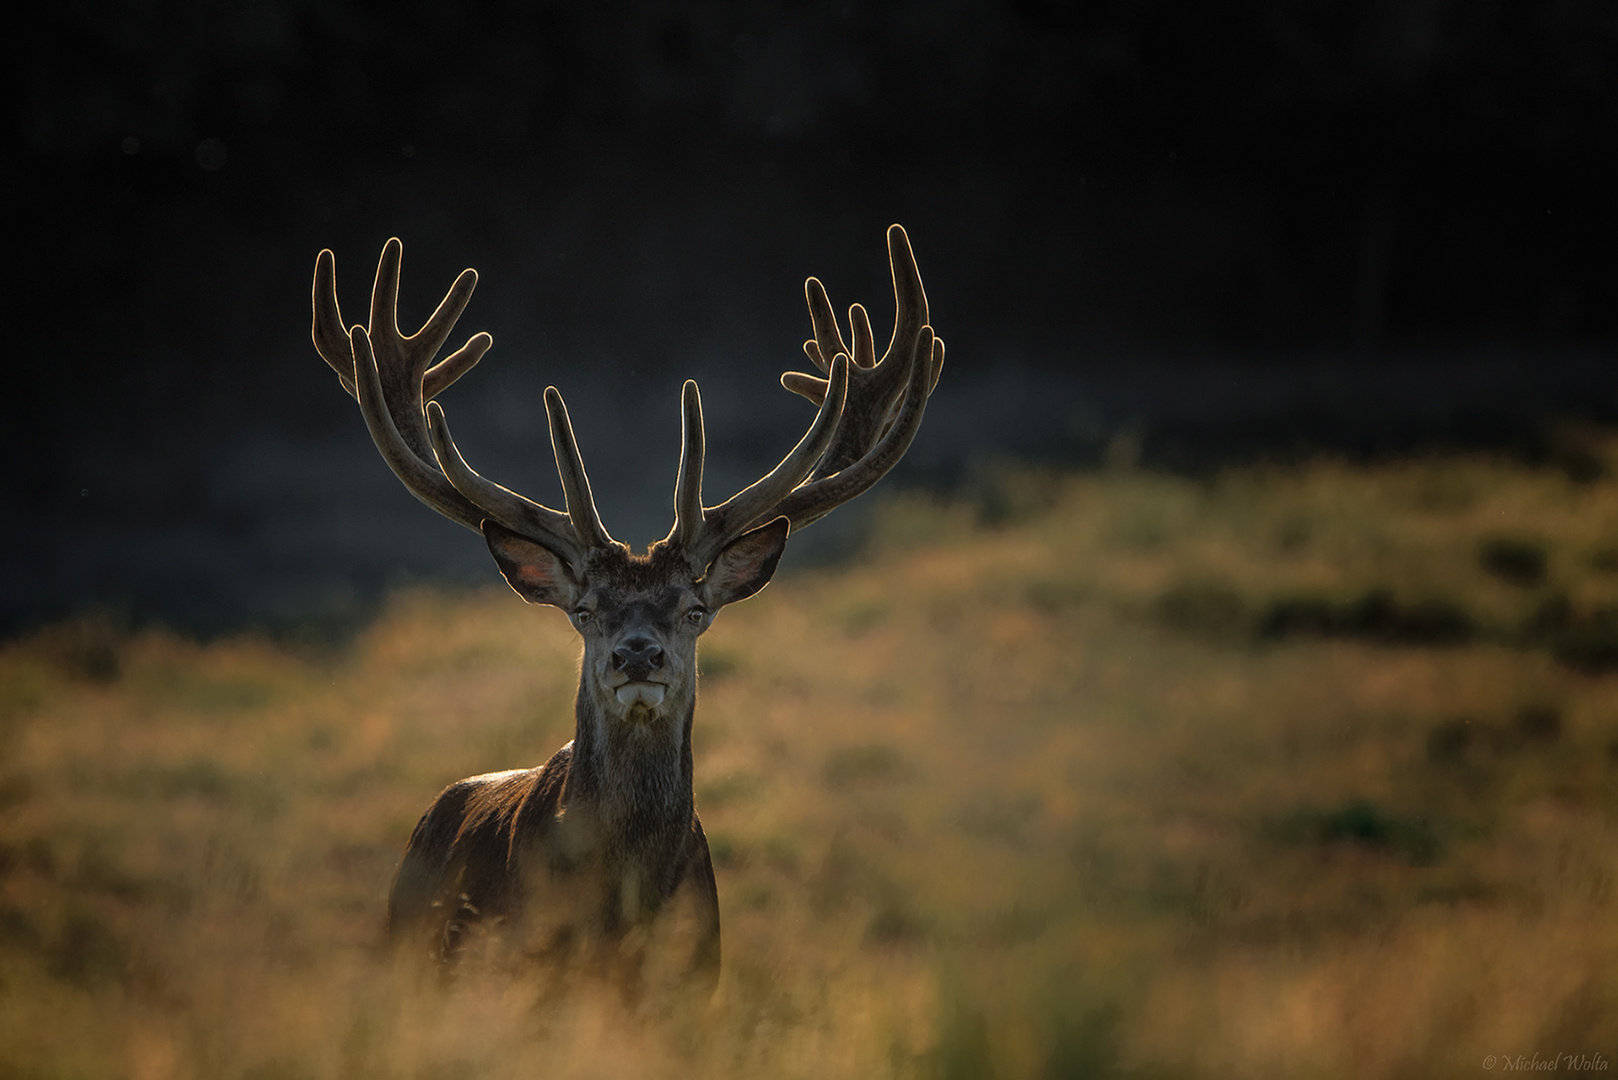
x=633, y=773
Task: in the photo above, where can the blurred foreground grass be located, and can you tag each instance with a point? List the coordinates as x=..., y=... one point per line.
x=1288, y=772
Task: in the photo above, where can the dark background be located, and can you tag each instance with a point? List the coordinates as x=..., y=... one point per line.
x=1258, y=227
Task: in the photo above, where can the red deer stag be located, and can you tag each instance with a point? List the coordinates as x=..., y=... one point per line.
x=593, y=854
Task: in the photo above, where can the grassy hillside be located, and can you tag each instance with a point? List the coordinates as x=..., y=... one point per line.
x=1289, y=772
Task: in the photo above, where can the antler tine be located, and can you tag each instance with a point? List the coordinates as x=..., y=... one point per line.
x=688, y=482
x=816, y=499
x=909, y=298
x=864, y=342
x=436, y=330
x=581, y=504
x=730, y=519
x=522, y=515
x=329, y=332
x=442, y=375
x=828, y=339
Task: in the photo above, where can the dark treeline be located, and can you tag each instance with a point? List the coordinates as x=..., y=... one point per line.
x=643, y=187
x=1245, y=173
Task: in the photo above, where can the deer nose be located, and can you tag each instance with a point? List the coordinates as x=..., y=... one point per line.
x=637, y=656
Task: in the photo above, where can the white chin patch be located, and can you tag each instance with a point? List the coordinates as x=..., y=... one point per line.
x=641, y=693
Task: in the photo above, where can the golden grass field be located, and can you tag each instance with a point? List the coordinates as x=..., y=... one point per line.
x=1303, y=771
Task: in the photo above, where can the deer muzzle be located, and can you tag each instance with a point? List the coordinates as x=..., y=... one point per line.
x=649, y=694
x=637, y=667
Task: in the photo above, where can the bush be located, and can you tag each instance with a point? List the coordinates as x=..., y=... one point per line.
x=1376, y=615
x=1361, y=822
x=1208, y=608
x=1518, y=561
x=1588, y=643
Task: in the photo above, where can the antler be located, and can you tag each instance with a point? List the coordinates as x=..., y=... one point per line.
x=393, y=378
x=875, y=386
x=869, y=413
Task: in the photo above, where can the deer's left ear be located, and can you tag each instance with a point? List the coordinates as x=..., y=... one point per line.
x=745, y=565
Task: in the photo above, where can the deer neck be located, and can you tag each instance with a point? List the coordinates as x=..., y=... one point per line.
x=632, y=774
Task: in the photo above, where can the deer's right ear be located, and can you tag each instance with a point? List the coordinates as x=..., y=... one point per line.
x=538, y=574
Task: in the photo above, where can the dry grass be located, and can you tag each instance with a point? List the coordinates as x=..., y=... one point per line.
x=1293, y=772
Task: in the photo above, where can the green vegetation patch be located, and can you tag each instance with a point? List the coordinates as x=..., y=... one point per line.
x=1514, y=559
x=1375, y=615
x=868, y=763
x=200, y=778
x=725, y=790
x=86, y=951
x=1205, y=608
x=1585, y=642
x=1362, y=823
x=715, y=663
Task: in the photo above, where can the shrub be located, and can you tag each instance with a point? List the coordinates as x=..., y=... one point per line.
x=1375, y=615
x=1209, y=608
x=1363, y=823
x=1512, y=559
